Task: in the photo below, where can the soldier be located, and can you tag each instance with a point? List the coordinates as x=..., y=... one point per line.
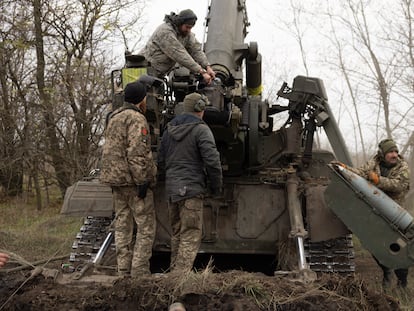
x=128, y=167
x=389, y=172
x=189, y=154
x=173, y=42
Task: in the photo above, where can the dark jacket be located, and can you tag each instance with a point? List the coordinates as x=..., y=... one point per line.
x=189, y=154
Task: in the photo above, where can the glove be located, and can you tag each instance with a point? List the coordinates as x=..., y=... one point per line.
x=373, y=177
x=338, y=163
x=216, y=193
x=142, y=190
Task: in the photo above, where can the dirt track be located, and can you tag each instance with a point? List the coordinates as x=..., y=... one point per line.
x=234, y=290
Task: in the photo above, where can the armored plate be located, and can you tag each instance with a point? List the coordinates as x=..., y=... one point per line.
x=383, y=239
x=88, y=198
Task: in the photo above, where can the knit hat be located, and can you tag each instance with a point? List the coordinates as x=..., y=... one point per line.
x=195, y=102
x=186, y=17
x=135, y=92
x=387, y=145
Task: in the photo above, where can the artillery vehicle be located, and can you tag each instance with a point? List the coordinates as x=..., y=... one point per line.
x=274, y=178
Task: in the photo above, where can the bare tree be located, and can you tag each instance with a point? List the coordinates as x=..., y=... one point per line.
x=374, y=71
x=340, y=63
x=368, y=58
x=14, y=85
x=78, y=76
x=83, y=80
x=54, y=76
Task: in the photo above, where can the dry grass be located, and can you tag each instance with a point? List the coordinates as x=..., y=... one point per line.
x=260, y=292
x=38, y=235
x=405, y=297
x=34, y=235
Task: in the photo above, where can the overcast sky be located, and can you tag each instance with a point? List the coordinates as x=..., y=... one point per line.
x=281, y=60
x=281, y=55
x=257, y=11
x=275, y=46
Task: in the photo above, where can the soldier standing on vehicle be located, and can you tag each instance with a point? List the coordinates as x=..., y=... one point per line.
x=128, y=167
x=389, y=172
x=173, y=42
x=189, y=154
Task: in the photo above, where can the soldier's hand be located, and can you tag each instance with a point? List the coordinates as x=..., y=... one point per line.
x=373, y=177
x=3, y=259
x=142, y=190
x=207, y=78
x=211, y=72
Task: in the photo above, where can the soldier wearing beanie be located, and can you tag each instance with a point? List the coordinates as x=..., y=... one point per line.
x=388, y=171
x=386, y=146
x=173, y=42
x=135, y=93
x=195, y=102
x=185, y=17
x=189, y=155
x=128, y=167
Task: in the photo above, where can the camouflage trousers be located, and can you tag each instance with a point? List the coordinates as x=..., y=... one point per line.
x=186, y=219
x=133, y=256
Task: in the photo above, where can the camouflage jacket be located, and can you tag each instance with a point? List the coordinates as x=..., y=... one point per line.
x=189, y=154
x=395, y=184
x=126, y=156
x=166, y=47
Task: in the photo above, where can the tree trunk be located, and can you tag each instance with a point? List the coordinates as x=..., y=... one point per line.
x=11, y=168
x=54, y=150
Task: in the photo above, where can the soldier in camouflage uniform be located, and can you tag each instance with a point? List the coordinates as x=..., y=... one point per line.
x=389, y=172
x=128, y=167
x=189, y=154
x=173, y=42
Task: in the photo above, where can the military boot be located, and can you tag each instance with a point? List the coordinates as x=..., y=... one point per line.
x=124, y=274
x=387, y=278
x=402, y=275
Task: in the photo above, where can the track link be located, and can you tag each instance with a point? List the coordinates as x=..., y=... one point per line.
x=88, y=241
x=333, y=256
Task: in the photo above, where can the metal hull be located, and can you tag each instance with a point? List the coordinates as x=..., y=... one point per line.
x=355, y=202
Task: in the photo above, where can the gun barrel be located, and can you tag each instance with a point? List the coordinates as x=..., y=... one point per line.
x=227, y=28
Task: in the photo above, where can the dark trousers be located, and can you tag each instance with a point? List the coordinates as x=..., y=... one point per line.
x=401, y=275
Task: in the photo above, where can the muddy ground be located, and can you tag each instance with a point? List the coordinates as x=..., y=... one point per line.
x=204, y=290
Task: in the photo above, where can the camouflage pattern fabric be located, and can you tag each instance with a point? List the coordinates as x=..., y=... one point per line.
x=126, y=163
x=397, y=182
x=126, y=155
x=186, y=219
x=133, y=256
x=166, y=47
